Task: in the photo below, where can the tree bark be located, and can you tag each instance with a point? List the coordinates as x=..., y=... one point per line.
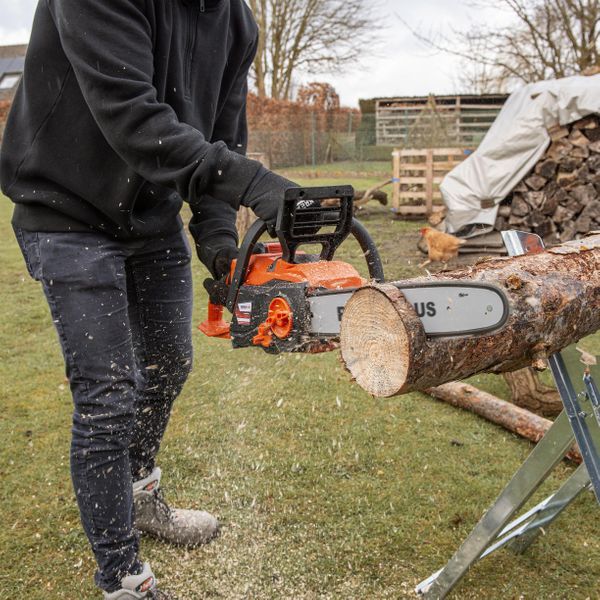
x=511, y=417
x=554, y=299
x=527, y=391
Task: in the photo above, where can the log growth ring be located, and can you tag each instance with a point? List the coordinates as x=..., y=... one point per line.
x=377, y=331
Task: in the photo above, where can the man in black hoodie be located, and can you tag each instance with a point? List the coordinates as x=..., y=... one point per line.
x=126, y=109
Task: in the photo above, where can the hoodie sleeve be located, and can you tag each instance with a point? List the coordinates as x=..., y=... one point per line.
x=115, y=76
x=213, y=224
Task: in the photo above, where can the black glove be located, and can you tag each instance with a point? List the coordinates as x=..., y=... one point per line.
x=265, y=196
x=217, y=288
x=223, y=260
x=209, y=247
x=217, y=291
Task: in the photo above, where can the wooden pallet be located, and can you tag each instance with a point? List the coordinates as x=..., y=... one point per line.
x=417, y=174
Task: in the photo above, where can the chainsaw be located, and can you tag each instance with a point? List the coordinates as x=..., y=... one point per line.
x=286, y=300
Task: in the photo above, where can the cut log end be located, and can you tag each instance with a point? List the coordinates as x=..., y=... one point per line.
x=376, y=334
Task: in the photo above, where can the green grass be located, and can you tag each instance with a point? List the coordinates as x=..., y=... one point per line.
x=325, y=492
x=362, y=169
x=362, y=175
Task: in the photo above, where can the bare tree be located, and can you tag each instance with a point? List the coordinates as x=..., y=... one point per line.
x=320, y=95
x=545, y=39
x=476, y=76
x=310, y=36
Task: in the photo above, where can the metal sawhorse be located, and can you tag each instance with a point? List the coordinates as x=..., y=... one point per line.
x=579, y=421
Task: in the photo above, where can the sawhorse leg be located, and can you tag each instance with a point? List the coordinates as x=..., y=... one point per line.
x=552, y=507
x=549, y=451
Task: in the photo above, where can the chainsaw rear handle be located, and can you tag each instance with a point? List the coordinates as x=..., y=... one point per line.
x=259, y=227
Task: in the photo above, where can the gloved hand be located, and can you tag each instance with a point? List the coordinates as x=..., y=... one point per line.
x=217, y=291
x=223, y=260
x=265, y=196
x=217, y=288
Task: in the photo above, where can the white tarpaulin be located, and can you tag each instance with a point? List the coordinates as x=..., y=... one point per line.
x=515, y=142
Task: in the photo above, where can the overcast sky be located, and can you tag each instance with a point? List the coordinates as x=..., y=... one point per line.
x=401, y=66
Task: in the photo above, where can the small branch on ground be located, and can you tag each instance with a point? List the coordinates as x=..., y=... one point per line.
x=513, y=418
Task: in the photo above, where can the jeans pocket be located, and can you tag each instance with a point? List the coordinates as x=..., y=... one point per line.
x=29, y=244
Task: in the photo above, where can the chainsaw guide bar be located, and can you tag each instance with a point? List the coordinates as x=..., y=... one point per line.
x=445, y=308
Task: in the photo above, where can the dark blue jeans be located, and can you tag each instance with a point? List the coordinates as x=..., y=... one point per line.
x=122, y=310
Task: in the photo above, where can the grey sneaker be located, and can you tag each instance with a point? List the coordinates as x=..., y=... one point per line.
x=155, y=517
x=137, y=587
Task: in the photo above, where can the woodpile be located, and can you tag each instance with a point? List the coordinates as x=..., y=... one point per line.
x=560, y=199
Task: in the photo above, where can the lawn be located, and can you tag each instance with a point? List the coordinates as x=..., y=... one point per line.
x=324, y=492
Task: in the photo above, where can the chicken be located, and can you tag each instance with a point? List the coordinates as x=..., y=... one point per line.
x=441, y=247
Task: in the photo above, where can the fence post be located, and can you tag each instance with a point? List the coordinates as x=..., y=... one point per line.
x=429, y=182
x=270, y=149
x=396, y=179
x=314, y=139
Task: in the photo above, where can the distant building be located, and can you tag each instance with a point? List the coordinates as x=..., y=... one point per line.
x=434, y=121
x=12, y=62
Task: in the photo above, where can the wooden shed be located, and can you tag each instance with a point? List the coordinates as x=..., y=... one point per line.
x=436, y=121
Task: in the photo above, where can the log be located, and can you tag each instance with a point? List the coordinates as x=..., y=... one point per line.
x=362, y=197
x=554, y=300
x=513, y=418
x=527, y=391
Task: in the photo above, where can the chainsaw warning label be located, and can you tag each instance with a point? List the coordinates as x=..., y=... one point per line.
x=243, y=313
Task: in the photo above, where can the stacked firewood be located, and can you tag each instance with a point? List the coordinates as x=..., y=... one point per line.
x=560, y=199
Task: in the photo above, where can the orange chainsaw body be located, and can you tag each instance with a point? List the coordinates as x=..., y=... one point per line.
x=270, y=267
x=328, y=274
x=282, y=299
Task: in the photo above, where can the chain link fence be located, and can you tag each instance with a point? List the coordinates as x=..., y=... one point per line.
x=314, y=143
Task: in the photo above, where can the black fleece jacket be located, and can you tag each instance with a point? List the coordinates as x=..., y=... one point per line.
x=126, y=108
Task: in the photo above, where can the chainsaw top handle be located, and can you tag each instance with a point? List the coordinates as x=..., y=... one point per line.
x=317, y=215
x=304, y=218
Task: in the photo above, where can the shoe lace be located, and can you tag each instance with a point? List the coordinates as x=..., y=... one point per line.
x=164, y=510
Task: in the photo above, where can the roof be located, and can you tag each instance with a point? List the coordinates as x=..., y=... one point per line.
x=12, y=64
x=436, y=96
x=368, y=105
x=12, y=59
x=442, y=96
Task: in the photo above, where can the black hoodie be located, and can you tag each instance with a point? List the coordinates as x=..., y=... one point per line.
x=125, y=108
